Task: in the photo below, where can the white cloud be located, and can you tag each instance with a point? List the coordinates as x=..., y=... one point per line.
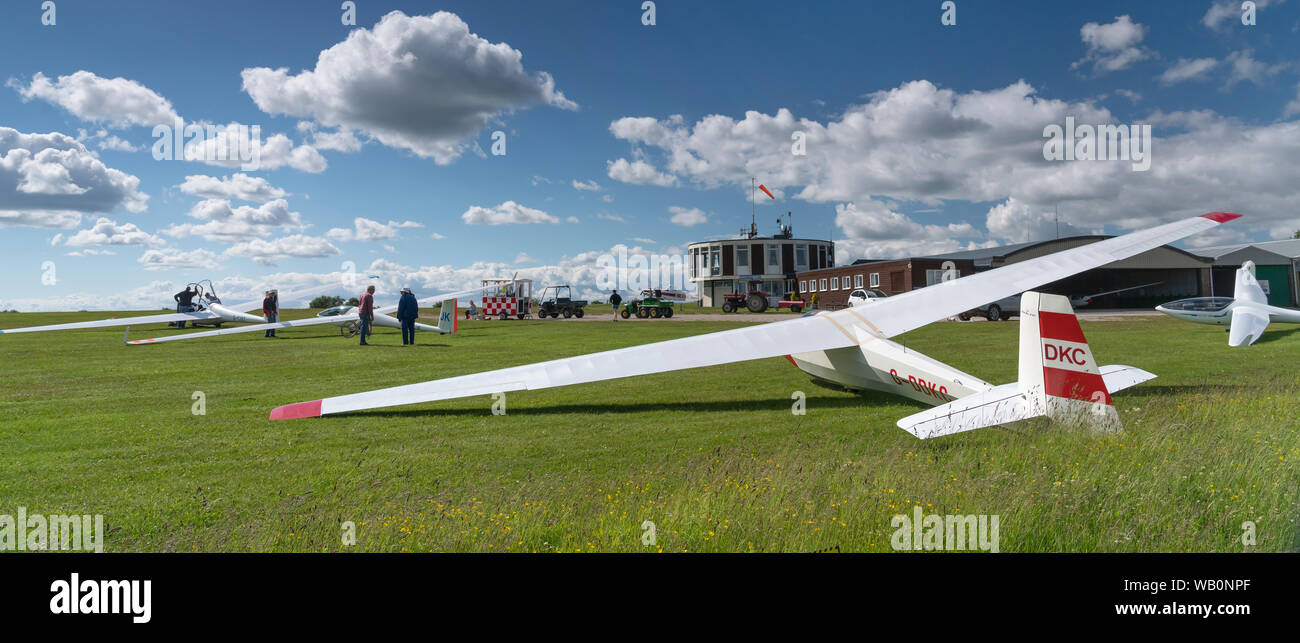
x=876, y=221
x=687, y=217
x=1112, y=47
x=1017, y=222
x=116, y=102
x=638, y=172
x=105, y=141
x=438, y=236
x=606, y=216
x=1246, y=68
x=268, y=252
x=524, y=258
x=1293, y=107
x=1188, y=69
x=508, y=212
x=588, y=186
x=419, y=83
x=224, y=223
x=174, y=259
x=91, y=252
x=236, y=186
x=50, y=180
x=107, y=232
x=337, y=140
x=369, y=230
x=918, y=143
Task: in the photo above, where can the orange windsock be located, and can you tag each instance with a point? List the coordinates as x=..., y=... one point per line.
x=764, y=189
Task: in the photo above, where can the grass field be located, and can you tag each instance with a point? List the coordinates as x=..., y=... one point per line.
x=714, y=457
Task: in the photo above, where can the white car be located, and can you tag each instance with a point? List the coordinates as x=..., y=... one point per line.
x=862, y=297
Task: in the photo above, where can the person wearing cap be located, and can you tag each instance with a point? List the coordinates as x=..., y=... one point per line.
x=408, y=309
x=271, y=310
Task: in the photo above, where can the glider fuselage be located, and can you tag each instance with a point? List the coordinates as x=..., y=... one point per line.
x=879, y=364
x=1218, y=310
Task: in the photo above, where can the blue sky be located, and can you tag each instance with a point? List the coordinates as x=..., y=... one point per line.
x=920, y=137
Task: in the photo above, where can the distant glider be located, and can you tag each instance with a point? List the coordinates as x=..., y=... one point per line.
x=1246, y=313
x=209, y=312
x=850, y=347
x=342, y=316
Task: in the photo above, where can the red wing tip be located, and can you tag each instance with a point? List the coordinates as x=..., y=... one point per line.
x=297, y=411
x=792, y=361
x=1221, y=217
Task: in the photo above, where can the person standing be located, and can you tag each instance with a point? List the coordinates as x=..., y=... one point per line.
x=184, y=303
x=408, y=309
x=271, y=309
x=614, y=300
x=366, y=312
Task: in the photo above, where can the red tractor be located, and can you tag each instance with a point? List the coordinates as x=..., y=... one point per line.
x=755, y=300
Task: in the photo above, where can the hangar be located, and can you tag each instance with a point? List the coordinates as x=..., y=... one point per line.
x=1276, y=264
x=1165, y=274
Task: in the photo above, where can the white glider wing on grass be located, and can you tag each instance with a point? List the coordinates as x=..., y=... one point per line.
x=120, y=321
x=380, y=318
x=842, y=328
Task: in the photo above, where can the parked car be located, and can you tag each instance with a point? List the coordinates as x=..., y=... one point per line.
x=861, y=297
x=1000, y=310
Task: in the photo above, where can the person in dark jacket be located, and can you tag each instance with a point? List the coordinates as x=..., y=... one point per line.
x=184, y=303
x=271, y=309
x=615, y=299
x=366, y=312
x=408, y=308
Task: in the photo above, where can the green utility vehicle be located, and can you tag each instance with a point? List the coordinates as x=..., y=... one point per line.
x=650, y=305
x=558, y=300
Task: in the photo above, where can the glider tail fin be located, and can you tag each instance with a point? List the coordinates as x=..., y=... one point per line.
x=1059, y=377
x=447, y=317
x=1247, y=287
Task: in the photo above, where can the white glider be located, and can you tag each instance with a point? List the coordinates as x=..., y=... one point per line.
x=850, y=347
x=341, y=316
x=210, y=312
x=1084, y=300
x=1246, y=313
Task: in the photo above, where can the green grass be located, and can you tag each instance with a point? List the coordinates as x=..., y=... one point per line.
x=713, y=456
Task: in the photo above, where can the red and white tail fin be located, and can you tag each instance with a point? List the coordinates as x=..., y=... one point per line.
x=447, y=317
x=1058, y=376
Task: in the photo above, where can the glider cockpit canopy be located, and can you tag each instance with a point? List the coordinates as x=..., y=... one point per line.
x=1200, y=304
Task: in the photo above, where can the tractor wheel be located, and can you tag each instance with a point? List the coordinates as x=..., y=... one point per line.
x=656, y=313
x=756, y=303
x=643, y=313
x=994, y=313
x=668, y=312
x=728, y=307
x=521, y=315
x=964, y=316
x=505, y=316
x=624, y=314
x=567, y=313
x=578, y=313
